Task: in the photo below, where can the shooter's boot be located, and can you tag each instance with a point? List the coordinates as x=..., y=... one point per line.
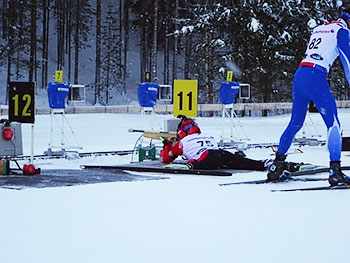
x=276, y=170
x=336, y=176
x=268, y=163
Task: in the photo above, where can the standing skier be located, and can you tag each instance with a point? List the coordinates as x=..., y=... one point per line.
x=327, y=42
x=202, y=152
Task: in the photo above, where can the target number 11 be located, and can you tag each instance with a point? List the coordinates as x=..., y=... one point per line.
x=185, y=97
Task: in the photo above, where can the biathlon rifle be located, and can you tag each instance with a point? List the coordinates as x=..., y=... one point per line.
x=156, y=135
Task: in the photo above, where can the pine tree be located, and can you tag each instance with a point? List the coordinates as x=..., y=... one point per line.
x=203, y=37
x=45, y=10
x=154, y=54
x=16, y=45
x=81, y=24
x=166, y=40
x=126, y=10
x=33, y=41
x=111, y=68
x=98, y=51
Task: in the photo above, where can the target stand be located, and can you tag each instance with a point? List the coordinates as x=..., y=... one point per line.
x=147, y=96
x=57, y=93
x=227, y=94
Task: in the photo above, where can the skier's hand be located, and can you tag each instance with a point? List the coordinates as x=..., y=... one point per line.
x=165, y=141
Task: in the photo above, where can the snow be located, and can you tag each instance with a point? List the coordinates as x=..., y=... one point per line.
x=254, y=25
x=180, y=219
x=219, y=42
x=186, y=29
x=283, y=57
x=312, y=23
x=286, y=36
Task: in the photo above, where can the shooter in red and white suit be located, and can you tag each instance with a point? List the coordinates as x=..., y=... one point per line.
x=202, y=151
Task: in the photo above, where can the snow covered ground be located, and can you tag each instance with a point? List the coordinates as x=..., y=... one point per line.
x=184, y=218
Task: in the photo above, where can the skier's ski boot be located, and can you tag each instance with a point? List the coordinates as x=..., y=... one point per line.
x=268, y=163
x=336, y=176
x=189, y=166
x=276, y=170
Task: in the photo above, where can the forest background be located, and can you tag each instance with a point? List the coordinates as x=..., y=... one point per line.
x=110, y=45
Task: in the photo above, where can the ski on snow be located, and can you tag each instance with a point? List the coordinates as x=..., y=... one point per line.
x=274, y=182
x=317, y=188
x=306, y=169
x=317, y=170
x=159, y=170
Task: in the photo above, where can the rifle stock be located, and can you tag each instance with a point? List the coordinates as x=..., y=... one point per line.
x=157, y=135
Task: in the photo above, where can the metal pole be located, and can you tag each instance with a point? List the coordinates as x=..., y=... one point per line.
x=32, y=146
x=62, y=131
x=51, y=130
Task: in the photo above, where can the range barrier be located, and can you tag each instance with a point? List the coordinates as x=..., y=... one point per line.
x=169, y=108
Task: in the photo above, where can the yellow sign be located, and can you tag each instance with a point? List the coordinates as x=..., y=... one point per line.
x=185, y=97
x=59, y=76
x=229, y=76
x=148, y=76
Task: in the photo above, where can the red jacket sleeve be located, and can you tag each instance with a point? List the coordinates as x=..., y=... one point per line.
x=171, y=152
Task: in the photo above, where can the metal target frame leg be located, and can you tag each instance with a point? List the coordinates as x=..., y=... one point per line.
x=61, y=126
x=304, y=132
x=152, y=116
x=232, y=116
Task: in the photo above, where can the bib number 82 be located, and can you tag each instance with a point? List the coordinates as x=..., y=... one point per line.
x=314, y=43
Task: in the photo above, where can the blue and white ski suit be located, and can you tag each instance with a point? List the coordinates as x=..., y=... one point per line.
x=327, y=42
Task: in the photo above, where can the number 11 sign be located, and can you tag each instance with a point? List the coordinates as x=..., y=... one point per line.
x=185, y=97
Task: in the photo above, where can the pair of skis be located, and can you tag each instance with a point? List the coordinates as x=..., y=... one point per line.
x=295, y=177
x=183, y=169
x=170, y=169
x=178, y=168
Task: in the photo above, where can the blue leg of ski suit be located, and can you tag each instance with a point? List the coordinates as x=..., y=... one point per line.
x=311, y=84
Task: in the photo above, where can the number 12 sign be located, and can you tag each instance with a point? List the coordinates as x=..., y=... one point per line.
x=185, y=97
x=21, y=102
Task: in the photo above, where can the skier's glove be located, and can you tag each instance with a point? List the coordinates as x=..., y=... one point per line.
x=165, y=141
